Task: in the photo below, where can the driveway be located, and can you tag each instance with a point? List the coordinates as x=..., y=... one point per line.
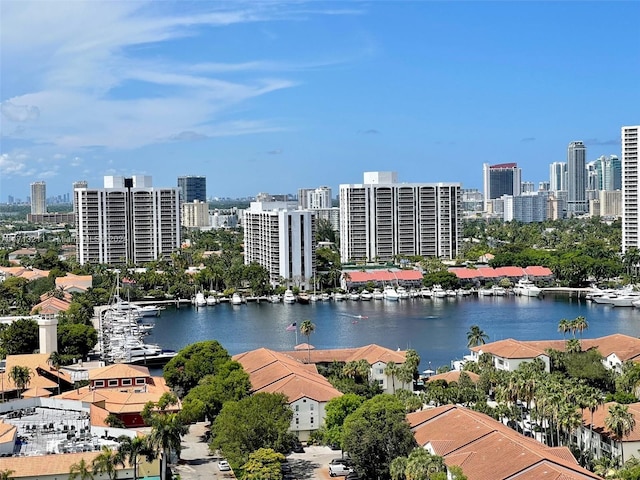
x=196, y=463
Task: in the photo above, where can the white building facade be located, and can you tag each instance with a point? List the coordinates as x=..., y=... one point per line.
x=282, y=240
x=126, y=221
x=195, y=214
x=381, y=218
x=38, y=197
x=528, y=208
x=630, y=188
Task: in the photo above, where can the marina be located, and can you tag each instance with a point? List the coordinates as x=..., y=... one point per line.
x=435, y=327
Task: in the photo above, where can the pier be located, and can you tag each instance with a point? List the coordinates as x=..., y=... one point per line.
x=568, y=291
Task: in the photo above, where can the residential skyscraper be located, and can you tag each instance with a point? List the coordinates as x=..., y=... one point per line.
x=609, y=173
x=192, y=188
x=501, y=179
x=126, y=221
x=381, y=218
x=630, y=188
x=558, y=176
x=38, y=197
x=281, y=238
x=576, y=179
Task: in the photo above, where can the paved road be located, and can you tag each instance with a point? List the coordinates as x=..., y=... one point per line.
x=196, y=463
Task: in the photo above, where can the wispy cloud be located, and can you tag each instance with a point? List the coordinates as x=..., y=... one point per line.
x=528, y=139
x=277, y=151
x=371, y=131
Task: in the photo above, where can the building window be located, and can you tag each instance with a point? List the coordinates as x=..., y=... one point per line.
x=98, y=383
x=311, y=407
x=297, y=421
x=380, y=382
x=140, y=381
x=312, y=420
x=113, y=383
x=380, y=371
x=297, y=408
x=126, y=382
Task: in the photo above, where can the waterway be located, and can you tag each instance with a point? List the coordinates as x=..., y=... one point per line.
x=435, y=328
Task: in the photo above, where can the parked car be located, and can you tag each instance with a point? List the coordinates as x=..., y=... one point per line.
x=339, y=469
x=224, y=466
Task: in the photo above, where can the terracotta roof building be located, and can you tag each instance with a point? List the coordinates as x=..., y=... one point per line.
x=486, y=449
x=308, y=391
x=357, y=279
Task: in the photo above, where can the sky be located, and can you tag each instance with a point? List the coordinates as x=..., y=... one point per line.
x=269, y=96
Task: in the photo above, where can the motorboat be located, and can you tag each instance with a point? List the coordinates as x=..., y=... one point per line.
x=402, y=293
x=365, y=296
x=275, y=299
x=236, y=299
x=314, y=298
x=438, y=292
x=289, y=297
x=498, y=291
x=200, y=300
x=354, y=296
x=149, y=311
x=339, y=296
x=377, y=294
x=325, y=297
x=211, y=300
x=390, y=294
x=426, y=292
x=526, y=288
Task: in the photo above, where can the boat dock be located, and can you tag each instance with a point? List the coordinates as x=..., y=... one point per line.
x=569, y=291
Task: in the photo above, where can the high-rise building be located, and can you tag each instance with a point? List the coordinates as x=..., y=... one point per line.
x=499, y=180
x=281, y=238
x=381, y=219
x=608, y=173
x=314, y=198
x=126, y=221
x=38, y=197
x=630, y=188
x=558, y=176
x=195, y=214
x=528, y=208
x=192, y=188
x=576, y=179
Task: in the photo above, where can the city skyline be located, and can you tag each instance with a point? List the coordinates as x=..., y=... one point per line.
x=279, y=97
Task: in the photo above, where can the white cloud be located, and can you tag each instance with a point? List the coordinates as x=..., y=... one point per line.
x=19, y=113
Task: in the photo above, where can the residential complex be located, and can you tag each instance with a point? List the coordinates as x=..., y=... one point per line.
x=381, y=218
x=38, y=198
x=630, y=189
x=195, y=214
x=126, y=221
x=192, y=188
x=281, y=239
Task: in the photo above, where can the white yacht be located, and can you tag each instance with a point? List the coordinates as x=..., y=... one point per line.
x=325, y=297
x=526, y=288
x=365, y=296
x=200, y=300
x=211, y=300
x=438, y=292
x=377, y=294
x=236, y=299
x=354, y=296
x=390, y=294
x=289, y=297
x=402, y=293
x=149, y=311
x=339, y=296
x=275, y=298
x=426, y=292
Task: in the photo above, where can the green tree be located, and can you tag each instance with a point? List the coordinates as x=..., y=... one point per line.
x=476, y=336
x=184, y=371
x=6, y=474
x=263, y=464
x=621, y=422
x=81, y=471
x=397, y=468
x=307, y=328
x=107, y=462
x=166, y=436
x=133, y=449
x=205, y=400
x=20, y=337
x=336, y=411
x=391, y=370
x=261, y=420
x=21, y=377
x=421, y=465
x=376, y=433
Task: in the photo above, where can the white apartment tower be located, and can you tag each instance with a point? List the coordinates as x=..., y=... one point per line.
x=381, y=218
x=558, y=176
x=126, y=221
x=576, y=179
x=38, y=197
x=630, y=189
x=282, y=240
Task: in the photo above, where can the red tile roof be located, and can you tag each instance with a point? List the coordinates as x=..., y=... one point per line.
x=486, y=449
x=371, y=353
x=382, y=276
x=602, y=412
x=488, y=272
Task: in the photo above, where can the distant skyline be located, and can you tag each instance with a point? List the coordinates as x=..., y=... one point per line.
x=275, y=96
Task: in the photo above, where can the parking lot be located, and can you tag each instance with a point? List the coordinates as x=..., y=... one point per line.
x=198, y=464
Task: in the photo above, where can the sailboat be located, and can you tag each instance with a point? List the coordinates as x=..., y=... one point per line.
x=314, y=296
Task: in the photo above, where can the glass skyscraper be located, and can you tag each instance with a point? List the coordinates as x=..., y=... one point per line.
x=192, y=188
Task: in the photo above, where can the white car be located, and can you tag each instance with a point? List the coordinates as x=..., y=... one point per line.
x=224, y=466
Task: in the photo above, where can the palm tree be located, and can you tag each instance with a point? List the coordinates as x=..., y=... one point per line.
x=307, y=328
x=621, y=422
x=166, y=436
x=6, y=474
x=81, y=471
x=391, y=370
x=131, y=449
x=476, y=337
x=564, y=326
x=107, y=462
x=580, y=324
x=21, y=376
x=55, y=360
x=397, y=467
x=363, y=369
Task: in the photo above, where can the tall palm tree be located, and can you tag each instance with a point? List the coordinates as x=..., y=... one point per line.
x=80, y=471
x=131, y=449
x=580, y=324
x=476, y=337
x=107, y=462
x=21, y=376
x=307, y=328
x=391, y=370
x=55, y=360
x=166, y=436
x=621, y=422
x=564, y=326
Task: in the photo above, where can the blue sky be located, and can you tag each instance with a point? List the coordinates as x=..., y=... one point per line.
x=268, y=96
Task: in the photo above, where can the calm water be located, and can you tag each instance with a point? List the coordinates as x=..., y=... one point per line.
x=436, y=329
